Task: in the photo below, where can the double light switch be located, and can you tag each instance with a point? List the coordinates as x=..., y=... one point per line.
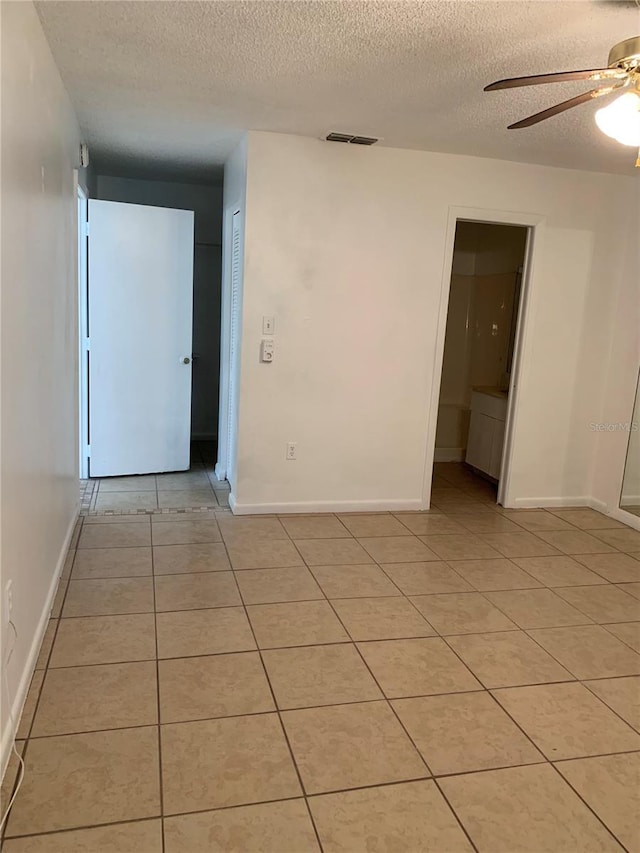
x=267, y=344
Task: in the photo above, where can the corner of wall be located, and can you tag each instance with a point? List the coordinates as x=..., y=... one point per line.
x=17, y=705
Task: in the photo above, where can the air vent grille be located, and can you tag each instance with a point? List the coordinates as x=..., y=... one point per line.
x=351, y=138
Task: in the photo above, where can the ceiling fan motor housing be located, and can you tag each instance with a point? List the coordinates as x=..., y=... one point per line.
x=625, y=54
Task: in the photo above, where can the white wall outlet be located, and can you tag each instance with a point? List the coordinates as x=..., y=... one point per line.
x=268, y=325
x=7, y=602
x=266, y=350
x=292, y=451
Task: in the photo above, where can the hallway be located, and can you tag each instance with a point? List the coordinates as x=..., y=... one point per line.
x=196, y=488
x=463, y=676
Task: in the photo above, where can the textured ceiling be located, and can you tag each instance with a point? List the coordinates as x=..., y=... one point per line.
x=166, y=84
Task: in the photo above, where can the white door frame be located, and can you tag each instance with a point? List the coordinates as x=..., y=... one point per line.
x=522, y=343
x=83, y=335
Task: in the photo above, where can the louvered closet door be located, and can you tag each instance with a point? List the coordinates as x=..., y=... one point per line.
x=232, y=413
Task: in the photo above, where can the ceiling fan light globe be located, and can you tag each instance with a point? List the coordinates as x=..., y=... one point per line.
x=621, y=119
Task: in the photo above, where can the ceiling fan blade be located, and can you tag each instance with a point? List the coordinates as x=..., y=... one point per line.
x=559, y=77
x=560, y=108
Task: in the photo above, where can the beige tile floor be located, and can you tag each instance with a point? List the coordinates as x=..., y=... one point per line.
x=196, y=488
x=466, y=678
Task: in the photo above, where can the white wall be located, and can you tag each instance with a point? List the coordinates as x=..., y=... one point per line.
x=346, y=247
x=206, y=202
x=234, y=199
x=619, y=368
x=39, y=480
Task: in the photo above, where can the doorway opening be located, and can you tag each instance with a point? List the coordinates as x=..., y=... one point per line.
x=479, y=362
x=149, y=305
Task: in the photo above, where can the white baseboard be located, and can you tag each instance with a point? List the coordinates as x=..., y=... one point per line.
x=219, y=471
x=617, y=513
x=25, y=679
x=391, y=505
x=449, y=454
x=631, y=500
x=394, y=505
x=532, y=503
x=628, y=518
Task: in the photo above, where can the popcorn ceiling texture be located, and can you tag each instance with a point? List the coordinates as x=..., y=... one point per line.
x=176, y=83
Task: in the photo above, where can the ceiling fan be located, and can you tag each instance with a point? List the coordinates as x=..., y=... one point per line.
x=621, y=118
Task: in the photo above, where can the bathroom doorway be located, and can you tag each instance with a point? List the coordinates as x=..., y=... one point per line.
x=482, y=318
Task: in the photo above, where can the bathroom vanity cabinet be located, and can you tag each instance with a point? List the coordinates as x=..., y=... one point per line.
x=486, y=430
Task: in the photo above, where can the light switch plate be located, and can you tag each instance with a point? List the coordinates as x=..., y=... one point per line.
x=268, y=325
x=266, y=350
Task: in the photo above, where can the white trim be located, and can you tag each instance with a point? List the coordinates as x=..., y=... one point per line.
x=449, y=454
x=627, y=518
x=522, y=354
x=629, y=500
x=391, y=505
x=535, y=224
x=600, y=506
x=532, y=503
x=617, y=513
x=414, y=505
x=29, y=668
x=82, y=208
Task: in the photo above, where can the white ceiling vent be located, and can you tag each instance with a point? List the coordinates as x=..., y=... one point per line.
x=352, y=138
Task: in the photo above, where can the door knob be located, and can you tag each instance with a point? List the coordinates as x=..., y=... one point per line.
x=186, y=360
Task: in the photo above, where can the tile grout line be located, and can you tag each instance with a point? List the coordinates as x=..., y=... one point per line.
x=484, y=595
x=586, y=682
x=348, y=633
x=325, y=793
x=484, y=689
x=54, y=832
x=480, y=689
x=377, y=700
x=410, y=738
x=78, y=526
x=277, y=709
x=158, y=702
x=348, y=641
x=444, y=638
x=584, y=801
x=610, y=623
x=581, y=680
x=455, y=814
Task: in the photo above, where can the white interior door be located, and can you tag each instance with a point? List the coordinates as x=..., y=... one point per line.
x=140, y=323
